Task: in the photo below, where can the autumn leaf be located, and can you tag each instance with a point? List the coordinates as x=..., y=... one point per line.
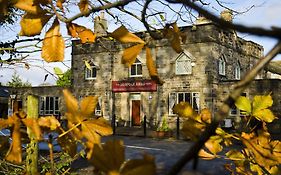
x=84, y=6
x=130, y=54
x=33, y=125
x=205, y=155
x=59, y=4
x=109, y=157
x=32, y=25
x=49, y=122
x=206, y=115
x=53, y=44
x=88, y=66
x=264, y=115
x=183, y=109
x=262, y=102
x=192, y=129
x=86, y=35
x=173, y=34
x=68, y=144
x=123, y=35
x=151, y=67
x=244, y=104
x=90, y=129
x=58, y=72
x=29, y=6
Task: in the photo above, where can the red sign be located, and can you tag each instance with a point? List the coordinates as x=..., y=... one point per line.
x=134, y=86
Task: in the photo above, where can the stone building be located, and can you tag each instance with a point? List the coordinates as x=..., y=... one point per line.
x=203, y=75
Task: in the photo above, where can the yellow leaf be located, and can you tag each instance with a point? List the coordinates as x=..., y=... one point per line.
x=33, y=125
x=32, y=25
x=205, y=155
x=88, y=105
x=262, y=102
x=206, y=115
x=49, y=122
x=88, y=66
x=151, y=67
x=264, y=115
x=173, y=35
x=213, y=144
x=109, y=157
x=123, y=35
x=183, y=109
x=130, y=54
x=139, y=166
x=53, y=44
x=84, y=6
x=28, y=5
x=71, y=102
x=192, y=129
x=14, y=153
x=244, y=104
x=235, y=155
x=86, y=35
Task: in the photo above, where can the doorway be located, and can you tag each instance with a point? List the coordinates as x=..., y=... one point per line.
x=135, y=109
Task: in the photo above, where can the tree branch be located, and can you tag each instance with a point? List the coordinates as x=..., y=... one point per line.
x=224, y=110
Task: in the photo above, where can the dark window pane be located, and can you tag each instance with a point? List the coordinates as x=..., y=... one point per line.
x=187, y=97
x=139, y=71
x=47, y=103
x=133, y=70
x=180, y=97
x=94, y=72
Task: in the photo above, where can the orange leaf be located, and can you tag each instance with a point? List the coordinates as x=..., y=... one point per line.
x=49, y=122
x=123, y=35
x=15, y=150
x=84, y=6
x=206, y=115
x=59, y=4
x=130, y=54
x=88, y=105
x=173, y=35
x=28, y=6
x=71, y=102
x=205, y=155
x=32, y=124
x=151, y=67
x=32, y=25
x=53, y=44
x=86, y=35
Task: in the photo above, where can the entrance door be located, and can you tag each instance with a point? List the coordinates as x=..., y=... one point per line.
x=136, y=113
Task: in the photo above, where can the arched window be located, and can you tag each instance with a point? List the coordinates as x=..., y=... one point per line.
x=91, y=74
x=237, y=71
x=136, y=69
x=183, y=64
x=222, y=66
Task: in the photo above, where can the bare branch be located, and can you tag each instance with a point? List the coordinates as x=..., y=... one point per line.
x=224, y=110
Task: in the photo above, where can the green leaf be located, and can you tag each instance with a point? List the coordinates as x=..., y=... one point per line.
x=244, y=104
x=264, y=115
x=58, y=72
x=262, y=102
x=162, y=17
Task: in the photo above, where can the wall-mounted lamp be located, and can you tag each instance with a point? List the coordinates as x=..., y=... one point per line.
x=193, y=64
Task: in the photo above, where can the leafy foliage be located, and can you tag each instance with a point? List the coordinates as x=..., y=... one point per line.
x=64, y=78
x=16, y=81
x=260, y=154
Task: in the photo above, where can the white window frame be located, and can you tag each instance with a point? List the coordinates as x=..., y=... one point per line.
x=183, y=64
x=135, y=66
x=222, y=64
x=174, y=99
x=89, y=72
x=50, y=108
x=237, y=71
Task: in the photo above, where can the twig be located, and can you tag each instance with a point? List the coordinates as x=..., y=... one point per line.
x=224, y=109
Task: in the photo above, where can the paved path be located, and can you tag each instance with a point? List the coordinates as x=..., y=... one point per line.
x=166, y=153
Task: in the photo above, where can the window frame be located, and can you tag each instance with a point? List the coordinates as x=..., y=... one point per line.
x=222, y=66
x=237, y=71
x=135, y=66
x=180, y=60
x=49, y=105
x=174, y=99
x=90, y=72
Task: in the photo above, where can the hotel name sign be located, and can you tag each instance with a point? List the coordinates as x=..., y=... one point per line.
x=134, y=86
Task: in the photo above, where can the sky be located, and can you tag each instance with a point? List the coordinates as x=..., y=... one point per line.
x=266, y=13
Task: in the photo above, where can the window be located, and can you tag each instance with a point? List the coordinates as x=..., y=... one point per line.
x=49, y=106
x=237, y=71
x=98, y=108
x=190, y=97
x=183, y=65
x=91, y=74
x=136, y=69
x=222, y=66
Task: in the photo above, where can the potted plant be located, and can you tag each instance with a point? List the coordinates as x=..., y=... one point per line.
x=163, y=129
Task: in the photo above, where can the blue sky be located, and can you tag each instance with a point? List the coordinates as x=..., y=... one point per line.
x=265, y=14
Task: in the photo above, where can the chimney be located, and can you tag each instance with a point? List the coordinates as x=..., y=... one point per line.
x=100, y=25
x=227, y=15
